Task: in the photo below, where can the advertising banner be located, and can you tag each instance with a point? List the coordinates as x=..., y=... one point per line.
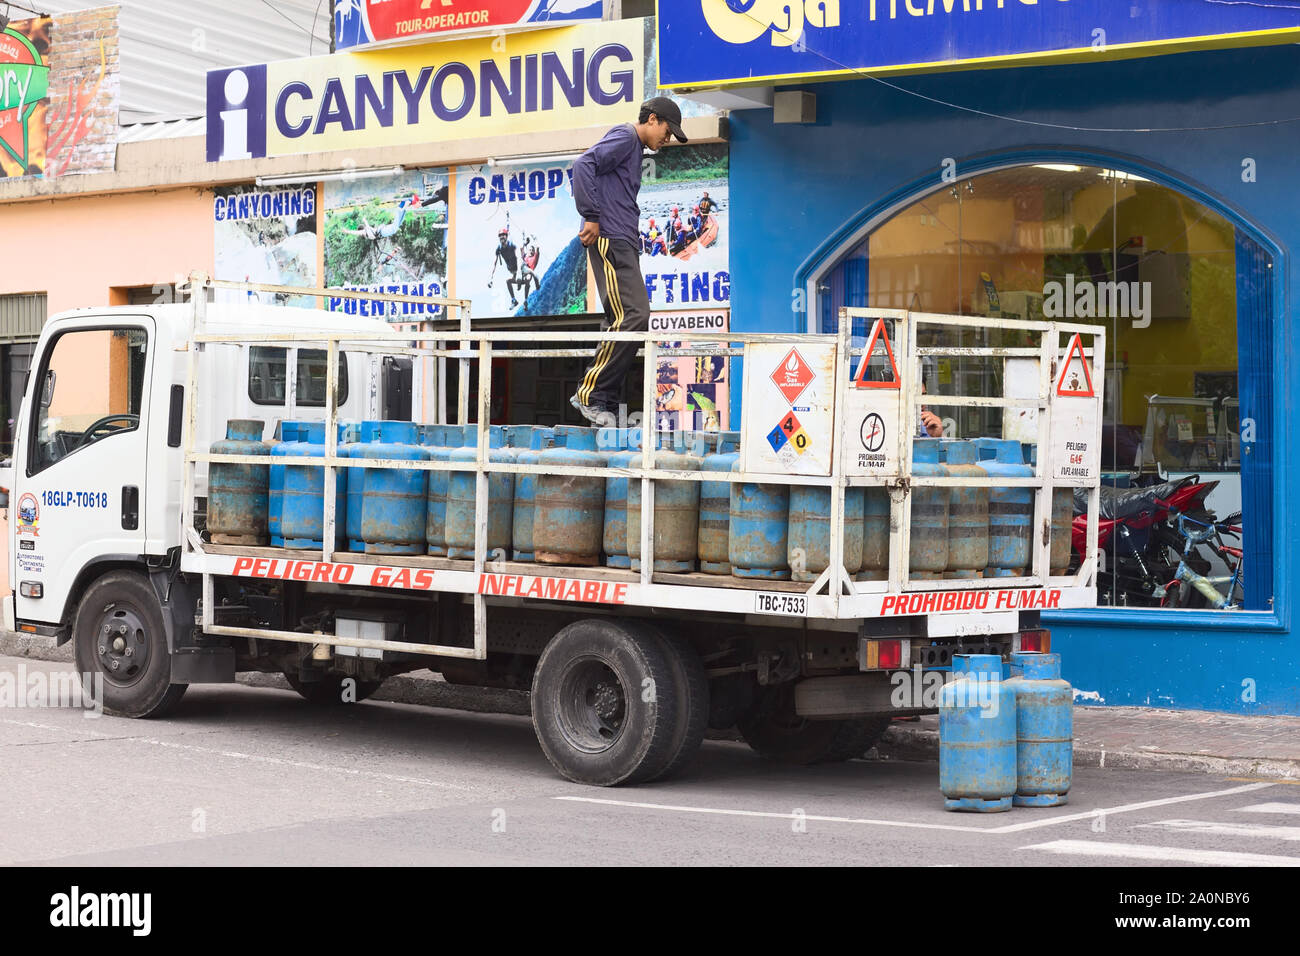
x=722, y=42
x=685, y=228
x=24, y=96
x=517, y=248
x=266, y=235
x=541, y=80
x=691, y=391
x=361, y=23
x=387, y=235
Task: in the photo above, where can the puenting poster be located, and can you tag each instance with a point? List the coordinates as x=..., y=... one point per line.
x=517, y=248
x=387, y=235
x=266, y=235
x=685, y=229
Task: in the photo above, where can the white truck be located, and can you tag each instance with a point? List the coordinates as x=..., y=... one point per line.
x=107, y=546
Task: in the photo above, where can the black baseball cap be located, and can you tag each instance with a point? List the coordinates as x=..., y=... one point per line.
x=666, y=110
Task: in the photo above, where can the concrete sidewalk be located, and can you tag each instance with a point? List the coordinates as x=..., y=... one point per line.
x=1128, y=738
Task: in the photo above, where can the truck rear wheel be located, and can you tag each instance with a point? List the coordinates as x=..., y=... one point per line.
x=691, y=688
x=776, y=732
x=605, y=705
x=118, y=632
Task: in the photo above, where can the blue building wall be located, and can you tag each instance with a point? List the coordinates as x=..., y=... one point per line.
x=798, y=190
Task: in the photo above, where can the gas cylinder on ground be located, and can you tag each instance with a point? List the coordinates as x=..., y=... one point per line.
x=875, y=534
x=1044, y=729
x=715, y=505
x=395, y=500
x=676, y=508
x=1011, y=510
x=809, y=545
x=569, y=515
x=614, y=529
x=928, y=554
x=758, y=530
x=353, y=437
x=521, y=525
x=968, y=512
x=977, y=737
x=462, y=492
x=238, y=495
x=448, y=438
x=302, y=519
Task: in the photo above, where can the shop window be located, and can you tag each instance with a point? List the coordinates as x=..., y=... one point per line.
x=1177, y=287
x=268, y=385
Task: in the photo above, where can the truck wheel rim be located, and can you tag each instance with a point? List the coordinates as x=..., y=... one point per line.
x=122, y=645
x=592, y=705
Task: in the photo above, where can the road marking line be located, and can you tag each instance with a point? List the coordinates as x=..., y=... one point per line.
x=908, y=825
x=1139, y=851
x=1289, y=783
x=1225, y=829
x=1270, y=808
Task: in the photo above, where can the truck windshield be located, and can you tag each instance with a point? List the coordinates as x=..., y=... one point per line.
x=94, y=391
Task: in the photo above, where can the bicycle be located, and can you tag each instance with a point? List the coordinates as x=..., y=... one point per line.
x=1209, y=533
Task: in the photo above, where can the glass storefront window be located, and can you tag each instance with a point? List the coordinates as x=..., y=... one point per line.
x=1161, y=272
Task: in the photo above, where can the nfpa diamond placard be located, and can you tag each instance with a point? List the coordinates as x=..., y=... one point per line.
x=788, y=407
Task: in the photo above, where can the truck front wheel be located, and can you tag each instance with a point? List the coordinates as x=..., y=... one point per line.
x=118, y=633
x=605, y=705
x=775, y=731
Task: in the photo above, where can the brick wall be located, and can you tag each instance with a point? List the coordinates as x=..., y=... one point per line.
x=85, y=86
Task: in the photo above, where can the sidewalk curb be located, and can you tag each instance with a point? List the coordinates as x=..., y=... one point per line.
x=920, y=743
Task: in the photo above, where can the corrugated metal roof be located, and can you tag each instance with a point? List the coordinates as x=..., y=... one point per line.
x=168, y=129
x=167, y=46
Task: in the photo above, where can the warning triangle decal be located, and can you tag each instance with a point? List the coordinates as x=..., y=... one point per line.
x=877, y=332
x=1076, y=377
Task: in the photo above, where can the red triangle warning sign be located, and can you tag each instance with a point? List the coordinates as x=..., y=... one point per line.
x=1076, y=376
x=877, y=332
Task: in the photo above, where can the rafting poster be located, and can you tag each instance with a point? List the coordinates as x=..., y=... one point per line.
x=517, y=248
x=684, y=228
x=387, y=235
x=265, y=235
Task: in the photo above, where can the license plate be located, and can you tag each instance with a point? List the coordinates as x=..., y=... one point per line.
x=795, y=605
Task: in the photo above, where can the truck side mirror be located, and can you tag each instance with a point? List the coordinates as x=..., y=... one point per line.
x=47, y=393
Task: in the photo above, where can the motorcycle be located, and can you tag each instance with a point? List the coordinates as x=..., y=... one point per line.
x=1139, y=541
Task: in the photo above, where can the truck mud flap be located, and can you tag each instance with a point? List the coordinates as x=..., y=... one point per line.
x=203, y=665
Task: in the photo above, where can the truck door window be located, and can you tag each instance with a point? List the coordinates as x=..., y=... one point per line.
x=267, y=383
x=91, y=385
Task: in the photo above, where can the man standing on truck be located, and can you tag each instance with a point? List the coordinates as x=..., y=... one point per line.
x=606, y=180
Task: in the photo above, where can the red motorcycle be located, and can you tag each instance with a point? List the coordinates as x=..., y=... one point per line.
x=1140, y=544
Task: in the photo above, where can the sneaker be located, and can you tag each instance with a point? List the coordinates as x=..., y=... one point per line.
x=599, y=417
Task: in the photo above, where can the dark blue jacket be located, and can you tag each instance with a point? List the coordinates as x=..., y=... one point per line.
x=606, y=179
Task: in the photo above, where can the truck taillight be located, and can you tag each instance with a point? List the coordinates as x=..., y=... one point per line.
x=1039, y=639
x=884, y=655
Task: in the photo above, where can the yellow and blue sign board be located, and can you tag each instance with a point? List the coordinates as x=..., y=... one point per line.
x=707, y=43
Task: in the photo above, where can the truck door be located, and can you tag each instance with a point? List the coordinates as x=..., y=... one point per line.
x=82, y=459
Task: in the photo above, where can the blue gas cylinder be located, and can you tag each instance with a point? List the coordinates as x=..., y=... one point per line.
x=357, y=434
x=677, y=506
x=521, y=525
x=875, y=534
x=1044, y=730
x=757, y=530
x=569, y=515
x=809, y=546
x=928, y=555
x=302, y=519
x=977, y=737
x=291, y=432
x=968, y=512
x=1011, y=510
x=715, y=505
x=394, y=502
x=238, y=495
x=614, y=529
x=1062, y=519
x=447, y=438
x=461, y=496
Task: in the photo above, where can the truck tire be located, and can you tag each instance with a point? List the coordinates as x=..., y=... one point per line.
x=691, y=687
x=118, y=632
x=328, y=691
x=604, y=703
x=776, y=732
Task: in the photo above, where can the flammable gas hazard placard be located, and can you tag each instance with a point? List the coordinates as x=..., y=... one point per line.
x=787, y=428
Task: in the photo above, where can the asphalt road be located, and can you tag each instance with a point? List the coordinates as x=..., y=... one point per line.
x=255, y=776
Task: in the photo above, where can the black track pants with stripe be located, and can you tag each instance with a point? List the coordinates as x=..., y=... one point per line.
x=617, y=267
